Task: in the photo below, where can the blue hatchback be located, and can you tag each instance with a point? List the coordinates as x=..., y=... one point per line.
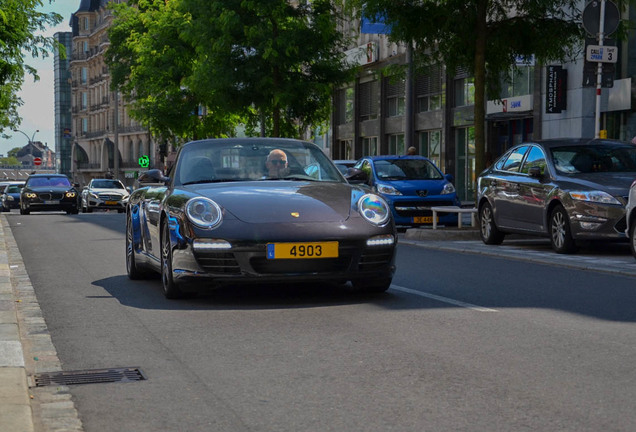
x=411, y=185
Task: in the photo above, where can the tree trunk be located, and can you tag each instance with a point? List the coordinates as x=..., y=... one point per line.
x=480, y=86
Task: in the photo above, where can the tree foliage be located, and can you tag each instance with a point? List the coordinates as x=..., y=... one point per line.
x=483, y=37
x=20, y=24
x=263, y=62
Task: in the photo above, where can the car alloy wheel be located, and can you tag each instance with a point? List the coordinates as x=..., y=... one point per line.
x=170, y=287
x=560, y=235
x=488, y=231
x=132, y=268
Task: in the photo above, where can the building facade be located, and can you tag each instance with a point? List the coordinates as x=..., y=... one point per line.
x=106, y=140
x=63, y=120
x=433, y=110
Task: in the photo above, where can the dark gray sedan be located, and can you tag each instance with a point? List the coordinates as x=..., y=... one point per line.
x=258, y=210
x=564, y=189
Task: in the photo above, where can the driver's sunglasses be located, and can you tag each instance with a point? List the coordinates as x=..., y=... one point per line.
x=278, y=161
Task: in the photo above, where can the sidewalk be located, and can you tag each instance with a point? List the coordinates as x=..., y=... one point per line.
x=26, y=349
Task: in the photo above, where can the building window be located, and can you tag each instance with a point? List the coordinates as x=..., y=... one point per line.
x=85, y=46
x=395, y=98
x=431, y=145
x=369, y=100
x=84, y=100
x=429, y=90
x=370, y=146
x=518, y=82
x=84, y=75
x=464, y=91
x=396, y=144
x=87, y=25
x=84, y=125
x=345, y=105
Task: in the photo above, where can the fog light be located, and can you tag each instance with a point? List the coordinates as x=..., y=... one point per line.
x=381, y=240
x=590, y=225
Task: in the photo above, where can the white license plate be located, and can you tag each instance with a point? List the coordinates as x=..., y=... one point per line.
x=52, y=202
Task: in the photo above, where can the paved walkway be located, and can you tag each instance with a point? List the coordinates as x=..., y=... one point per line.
x=26, y=349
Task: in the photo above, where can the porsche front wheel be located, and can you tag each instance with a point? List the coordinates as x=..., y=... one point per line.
x=132, y=268
x=170, y=287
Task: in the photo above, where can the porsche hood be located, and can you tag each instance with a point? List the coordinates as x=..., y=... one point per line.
x=284, y=201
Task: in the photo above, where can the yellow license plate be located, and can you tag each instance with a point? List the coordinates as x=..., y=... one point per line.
x=302, y=250
x=423, y=219
x=111, y=202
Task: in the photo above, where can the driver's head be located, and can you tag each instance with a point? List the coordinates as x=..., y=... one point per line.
x=276, y=163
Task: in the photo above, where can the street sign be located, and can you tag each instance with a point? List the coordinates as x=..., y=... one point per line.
x=592, y=17
x=603, y=54
x=37, y=161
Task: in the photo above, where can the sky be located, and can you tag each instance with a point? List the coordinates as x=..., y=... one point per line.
x=38, y=111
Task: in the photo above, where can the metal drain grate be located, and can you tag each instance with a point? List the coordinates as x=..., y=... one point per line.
x=93, y=376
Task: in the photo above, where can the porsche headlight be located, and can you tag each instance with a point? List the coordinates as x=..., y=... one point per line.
x=598, y=197
x=388, y=190
x=204, y=212
x=374, y=209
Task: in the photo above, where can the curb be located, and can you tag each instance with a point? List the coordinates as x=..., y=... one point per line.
x=24, y=407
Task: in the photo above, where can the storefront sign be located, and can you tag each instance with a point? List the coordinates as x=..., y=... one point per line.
x=556, y=89
x=362, y=55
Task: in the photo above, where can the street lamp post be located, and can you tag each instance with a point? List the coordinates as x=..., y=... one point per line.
x=30, y=139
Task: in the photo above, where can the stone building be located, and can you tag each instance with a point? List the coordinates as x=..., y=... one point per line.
x=105, y=139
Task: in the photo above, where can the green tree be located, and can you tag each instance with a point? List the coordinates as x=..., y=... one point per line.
x=9, y=161
x=14, y=152
x=264, y=62
x=20, y=22
x=280, y=59
x=483, y=37
x=149, y=63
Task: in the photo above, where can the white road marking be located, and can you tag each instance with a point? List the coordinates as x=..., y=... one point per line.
x=443, y=299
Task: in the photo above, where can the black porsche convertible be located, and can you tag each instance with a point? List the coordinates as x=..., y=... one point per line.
x=242, y=210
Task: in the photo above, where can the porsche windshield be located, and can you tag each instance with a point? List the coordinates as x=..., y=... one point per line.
x=248, y=160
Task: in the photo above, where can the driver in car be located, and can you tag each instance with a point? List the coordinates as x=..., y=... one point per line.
x=276, y=164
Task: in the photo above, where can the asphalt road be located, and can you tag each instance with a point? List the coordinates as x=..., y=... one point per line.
x=463, y=341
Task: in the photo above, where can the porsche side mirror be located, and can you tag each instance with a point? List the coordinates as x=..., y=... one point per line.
x=153, y=176
x=354, y=175
x=535, y=172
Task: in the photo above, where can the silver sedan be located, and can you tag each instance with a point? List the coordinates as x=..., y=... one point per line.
x=564, y=189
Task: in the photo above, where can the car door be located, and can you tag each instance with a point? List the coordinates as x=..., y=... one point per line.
x=534, y=191
x=506, y=186
x=151, y=208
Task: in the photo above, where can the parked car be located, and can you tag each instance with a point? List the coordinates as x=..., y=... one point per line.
x=564, y=189
x=411, y=185
x=49, y=192
x=344, y=164
x=630, y=217
x=104, y=194
x=228, y=214
x=10, y=198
